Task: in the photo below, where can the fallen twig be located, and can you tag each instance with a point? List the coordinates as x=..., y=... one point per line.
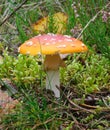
x=74, y=104
x=43, y=123
x=77, y=106
x=16, y=9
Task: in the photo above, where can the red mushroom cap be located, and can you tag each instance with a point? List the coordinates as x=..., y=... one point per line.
x=50, y=44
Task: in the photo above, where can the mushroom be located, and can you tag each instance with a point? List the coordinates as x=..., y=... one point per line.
x=52, y=45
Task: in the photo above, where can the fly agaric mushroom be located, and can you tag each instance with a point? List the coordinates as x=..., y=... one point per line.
x=52, y=45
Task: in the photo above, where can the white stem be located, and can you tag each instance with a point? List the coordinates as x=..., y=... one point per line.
x=53, y=80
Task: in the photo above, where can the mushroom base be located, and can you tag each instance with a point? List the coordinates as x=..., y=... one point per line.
x=53, y=80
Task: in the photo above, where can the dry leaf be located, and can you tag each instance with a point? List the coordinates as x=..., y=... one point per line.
x=60, y=21
x=6, y=103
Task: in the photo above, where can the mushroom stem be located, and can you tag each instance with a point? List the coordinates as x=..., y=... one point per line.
x=53, y=80
x=51, y=66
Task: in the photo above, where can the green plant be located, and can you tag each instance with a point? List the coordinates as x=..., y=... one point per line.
x=21, y=70
x=31, y=113
x=97, y=32
x=71, y=16
x=20, y=22
x=87, y=77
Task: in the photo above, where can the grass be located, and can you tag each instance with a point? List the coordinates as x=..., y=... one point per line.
x=85, y=83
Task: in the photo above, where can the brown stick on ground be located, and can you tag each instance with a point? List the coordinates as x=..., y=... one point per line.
x=13, y=12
